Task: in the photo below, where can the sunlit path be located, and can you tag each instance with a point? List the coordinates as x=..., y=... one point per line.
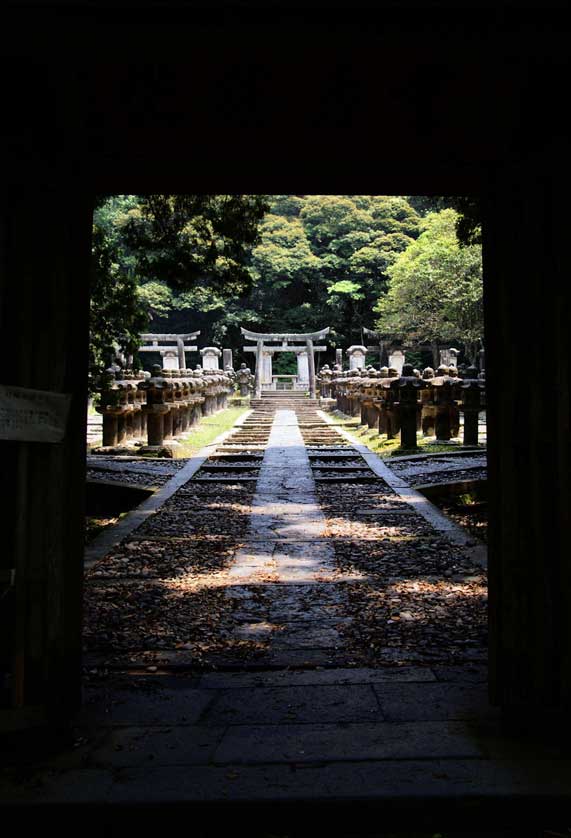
x=287, y=553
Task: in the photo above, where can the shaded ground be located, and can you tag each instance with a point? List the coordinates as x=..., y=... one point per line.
x=468, y=511
x=302, y=636
x=209, y=578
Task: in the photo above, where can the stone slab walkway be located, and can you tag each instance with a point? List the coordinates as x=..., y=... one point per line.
x=287, y=553
x=300, y=727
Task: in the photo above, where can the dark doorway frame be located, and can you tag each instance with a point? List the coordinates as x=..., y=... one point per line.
x=117, y=124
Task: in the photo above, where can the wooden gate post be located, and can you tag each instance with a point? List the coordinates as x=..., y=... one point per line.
x=44, y=296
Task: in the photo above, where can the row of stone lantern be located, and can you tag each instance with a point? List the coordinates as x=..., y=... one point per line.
x=160, y=406
x=430, y=401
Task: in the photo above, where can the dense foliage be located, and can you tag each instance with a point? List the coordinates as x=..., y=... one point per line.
x=322, y=261
x=158, y=254
x=117, y=313
x=284, y=263
x=435, y=288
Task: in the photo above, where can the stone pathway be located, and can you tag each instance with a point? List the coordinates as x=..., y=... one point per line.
x=288, y=547
x=288, y=555
x=288, y=629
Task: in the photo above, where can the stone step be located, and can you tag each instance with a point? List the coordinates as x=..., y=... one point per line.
x=284, y=394
x=230, y=456
x=259, y=437
x=305, y=402
x=337, y=468
x=218, y=479
x=213, y=467
x=345, y=478
x=333, y=457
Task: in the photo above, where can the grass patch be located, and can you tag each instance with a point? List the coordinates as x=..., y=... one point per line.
x=208, y=429
x=391, y=447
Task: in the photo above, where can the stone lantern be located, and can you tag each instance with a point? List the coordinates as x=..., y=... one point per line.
x=245, y=380
x=472, y=388
x=428, y=411
x=407, y=389
x=445, y=393
x=118, y=405
x=157, y=406
x=325, y=377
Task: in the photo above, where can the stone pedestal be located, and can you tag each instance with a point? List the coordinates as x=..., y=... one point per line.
x=155, y=433
x=443, y=419
x=121, y=429
x=396, y=360
x=302, y=371
x=169, y=359
x=471, y=406
x=109, y=429
x=267, y=371
x=357, y=356
x=449, y=357
x=210, y=358
x=408, y=388
x=227, y=358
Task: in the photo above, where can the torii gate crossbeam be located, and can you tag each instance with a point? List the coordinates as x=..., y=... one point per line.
x=284, y=338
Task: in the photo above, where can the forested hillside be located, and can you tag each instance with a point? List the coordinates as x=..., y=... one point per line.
x=285, y=263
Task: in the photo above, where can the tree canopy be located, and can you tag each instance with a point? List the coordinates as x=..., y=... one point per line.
x=158, y=254
x=284, y=263
x=322, y=260
x=435, y=287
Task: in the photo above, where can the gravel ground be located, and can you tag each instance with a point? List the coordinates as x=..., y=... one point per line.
x=138, y=472
x=408, y=595
x=146, y=481
x=415, y=598
x=435, y=470
x=448, y=477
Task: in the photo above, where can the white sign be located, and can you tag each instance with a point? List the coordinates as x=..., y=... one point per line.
x=32, y=415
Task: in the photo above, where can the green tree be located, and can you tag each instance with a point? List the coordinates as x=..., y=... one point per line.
x=278, y=263
x=117, y=315
x=190, y=240
x=322, y=259
x=159, y=255
x=435, y=291
x=469, y=220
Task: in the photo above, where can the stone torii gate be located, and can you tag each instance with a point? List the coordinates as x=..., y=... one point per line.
x=308, y=346
x=173, y=355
